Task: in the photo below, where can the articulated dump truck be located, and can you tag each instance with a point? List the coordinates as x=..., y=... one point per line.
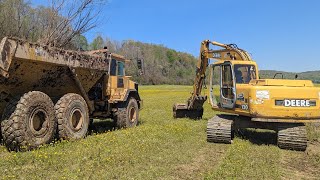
x=47, y=92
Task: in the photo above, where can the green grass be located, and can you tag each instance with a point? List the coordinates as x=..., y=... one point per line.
x=163, y=148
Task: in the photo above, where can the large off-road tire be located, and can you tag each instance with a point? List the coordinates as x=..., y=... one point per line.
x=220, y=129
x=292, y=137
x=72, y=116
x=8, y=110
x=128, y=116
x=28, y=122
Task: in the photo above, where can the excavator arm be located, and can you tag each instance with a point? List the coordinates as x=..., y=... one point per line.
x=194, y=106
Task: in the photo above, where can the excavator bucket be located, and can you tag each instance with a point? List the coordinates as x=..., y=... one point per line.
x=182, y=110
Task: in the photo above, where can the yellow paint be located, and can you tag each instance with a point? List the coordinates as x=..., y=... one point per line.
x=278, y=89
x=118, y=94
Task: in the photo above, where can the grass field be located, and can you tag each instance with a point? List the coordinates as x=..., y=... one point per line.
x=164, y=148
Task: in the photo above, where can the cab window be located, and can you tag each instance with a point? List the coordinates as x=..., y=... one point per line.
x=113, y=67
x=120, y=68
x=227, y=82
x=244, y=73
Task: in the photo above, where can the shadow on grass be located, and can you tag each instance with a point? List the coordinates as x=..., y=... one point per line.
x=102, y=126
x=259, y=137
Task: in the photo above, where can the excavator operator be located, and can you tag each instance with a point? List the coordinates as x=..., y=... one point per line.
x=244, y=73
x=238, y=74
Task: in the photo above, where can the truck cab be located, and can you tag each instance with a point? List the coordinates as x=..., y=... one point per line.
x=115, y=91
x=119, y=84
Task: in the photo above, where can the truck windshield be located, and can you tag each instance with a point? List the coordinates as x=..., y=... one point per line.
x=244, y=73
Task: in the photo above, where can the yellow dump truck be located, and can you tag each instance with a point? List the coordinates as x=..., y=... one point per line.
x=46, y=91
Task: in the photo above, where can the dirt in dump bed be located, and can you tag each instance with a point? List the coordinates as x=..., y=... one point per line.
x=87, y=61
x=98, y=61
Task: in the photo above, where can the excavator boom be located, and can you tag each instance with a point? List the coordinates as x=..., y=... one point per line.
x=194, y=106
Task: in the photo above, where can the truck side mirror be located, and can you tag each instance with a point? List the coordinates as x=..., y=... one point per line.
x=296, y=76
x=140, y=64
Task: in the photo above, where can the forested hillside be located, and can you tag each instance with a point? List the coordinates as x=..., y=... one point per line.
x=167, y=66
x=162, y=65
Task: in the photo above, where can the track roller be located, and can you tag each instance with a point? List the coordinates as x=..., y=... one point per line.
x=220, y=129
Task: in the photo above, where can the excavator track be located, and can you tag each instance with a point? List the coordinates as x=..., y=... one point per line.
x=292, y=136
x=219, y=129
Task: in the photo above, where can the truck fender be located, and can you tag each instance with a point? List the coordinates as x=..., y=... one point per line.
x=133, y=93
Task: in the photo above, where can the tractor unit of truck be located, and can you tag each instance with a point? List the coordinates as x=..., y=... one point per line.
x=47, y=92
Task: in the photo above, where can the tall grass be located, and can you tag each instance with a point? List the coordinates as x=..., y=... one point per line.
x=161, y=148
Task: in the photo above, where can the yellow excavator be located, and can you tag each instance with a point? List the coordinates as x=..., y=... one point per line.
x=246, y=101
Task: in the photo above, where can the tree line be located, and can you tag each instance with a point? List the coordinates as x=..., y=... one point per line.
x=167, y=66
x=162, y=65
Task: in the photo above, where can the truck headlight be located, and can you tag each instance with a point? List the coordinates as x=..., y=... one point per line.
x=262, y=94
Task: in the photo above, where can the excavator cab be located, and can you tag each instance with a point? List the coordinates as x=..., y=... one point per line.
x=225, y=78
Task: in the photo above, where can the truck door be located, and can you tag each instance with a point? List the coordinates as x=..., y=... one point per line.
x=117, y=73
x=116, y=79
x=227, y=86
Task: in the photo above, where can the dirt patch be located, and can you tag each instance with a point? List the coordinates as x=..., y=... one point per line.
x=301, y=165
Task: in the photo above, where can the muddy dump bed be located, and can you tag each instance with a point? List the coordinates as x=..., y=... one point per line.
x=28, y=67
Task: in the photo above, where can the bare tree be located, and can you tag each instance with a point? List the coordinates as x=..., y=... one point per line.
x=55, y=25
x=68, y=18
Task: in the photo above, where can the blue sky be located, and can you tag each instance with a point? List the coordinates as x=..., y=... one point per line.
x=280, y=35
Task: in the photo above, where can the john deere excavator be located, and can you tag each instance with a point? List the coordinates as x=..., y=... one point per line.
x=246, y=101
